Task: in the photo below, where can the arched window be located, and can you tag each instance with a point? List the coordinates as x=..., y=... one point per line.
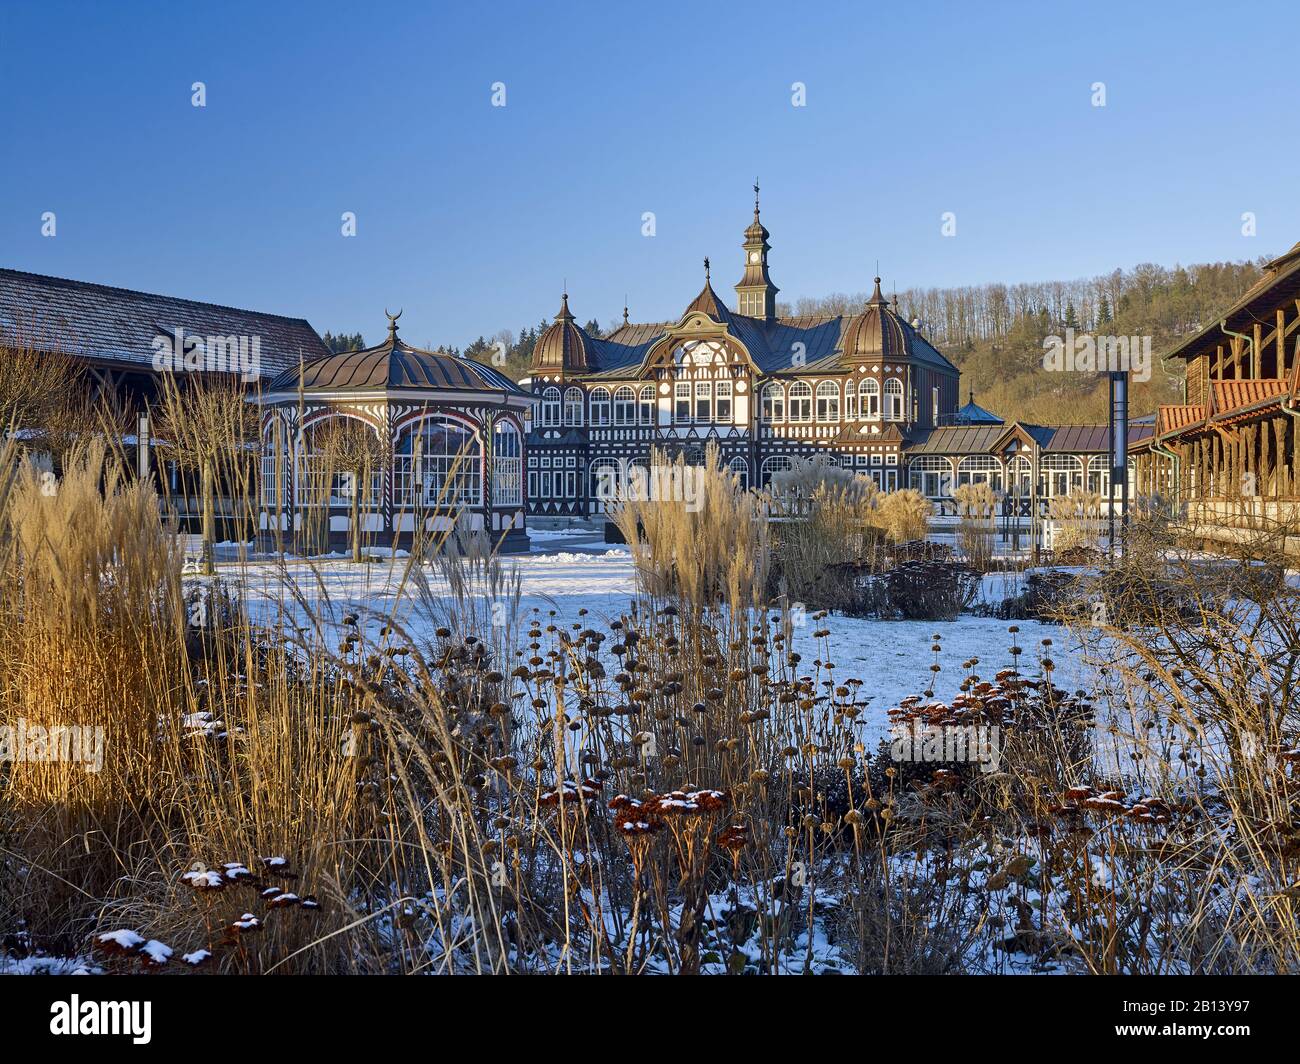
x=605, y=482
x=274, y=464
x=777, y=463
x=740, y=466
x=1059, y=474
x=646, y=405
x=850, y=402
x=931, y=475
x=624, y=406
x=801, y=401
x=600, y=406
x=1099, y=474
x=438, y=462
x=773, y=403
x=507, y=465
x=977, y=467
x=893, y=399
x=573, y=406
x=869, y=399
x=1020, y=475
x=828, y=401
x=551, y=407
x=326, y=450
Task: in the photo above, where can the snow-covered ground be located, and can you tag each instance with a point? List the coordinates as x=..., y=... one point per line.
x=569, y=570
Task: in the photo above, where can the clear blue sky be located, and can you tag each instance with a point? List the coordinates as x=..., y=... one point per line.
x=471, y=217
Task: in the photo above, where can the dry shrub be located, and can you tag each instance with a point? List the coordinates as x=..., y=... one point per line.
x=904, y=515
x=977, y=504
x=1076, y=517
x=706, y=542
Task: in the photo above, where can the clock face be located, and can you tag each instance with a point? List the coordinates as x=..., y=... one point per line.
x=753, y=256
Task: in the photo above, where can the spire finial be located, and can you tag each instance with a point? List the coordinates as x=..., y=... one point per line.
x=564, y=314
x=971, y=395
x=755, y=197
x=706, y=269
x=625, y=309
x=392, y=323
x=877, y=297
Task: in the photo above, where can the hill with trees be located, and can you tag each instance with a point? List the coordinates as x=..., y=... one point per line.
x=994, y=332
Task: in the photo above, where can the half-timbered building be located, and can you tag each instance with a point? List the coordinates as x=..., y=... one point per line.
x=764, y=388
x=868, y=389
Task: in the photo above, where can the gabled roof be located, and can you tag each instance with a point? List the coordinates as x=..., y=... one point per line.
x=119, y=325
x=1050, y=439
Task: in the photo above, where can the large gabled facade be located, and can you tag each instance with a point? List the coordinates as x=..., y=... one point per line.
x=765, y=389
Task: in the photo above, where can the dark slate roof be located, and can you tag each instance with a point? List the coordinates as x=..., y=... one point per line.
x=771, y=344
x=119, y=325
x=393, y=365
x=958, y=439
x=1065, y=439
x=1083, y=439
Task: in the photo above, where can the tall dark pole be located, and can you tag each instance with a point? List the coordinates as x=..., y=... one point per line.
x=1118, y=446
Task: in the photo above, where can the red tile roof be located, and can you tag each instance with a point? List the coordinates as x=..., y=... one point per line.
x=1233, y=395
x=1174, y=418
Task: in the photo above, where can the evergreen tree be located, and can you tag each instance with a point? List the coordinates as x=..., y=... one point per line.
x=343, y=342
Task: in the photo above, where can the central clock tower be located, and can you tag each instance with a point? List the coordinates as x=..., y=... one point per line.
x=756, y=294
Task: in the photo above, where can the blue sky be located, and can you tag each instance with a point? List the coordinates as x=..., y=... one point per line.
x=472, y=217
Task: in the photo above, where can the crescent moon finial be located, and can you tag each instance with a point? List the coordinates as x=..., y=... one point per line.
x=392, y=321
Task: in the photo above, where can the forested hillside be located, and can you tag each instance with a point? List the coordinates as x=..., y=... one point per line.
x=994, y=332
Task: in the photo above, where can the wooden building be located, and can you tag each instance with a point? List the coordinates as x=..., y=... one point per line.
x=1229, y=456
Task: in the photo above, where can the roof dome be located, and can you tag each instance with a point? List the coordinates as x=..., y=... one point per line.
x=877, y=331
x=563, y=345
x=392, y=365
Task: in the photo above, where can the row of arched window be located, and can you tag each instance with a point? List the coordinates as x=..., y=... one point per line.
x=935, y=476
x=436, y=462
x=623, y=406
x=712, y=401
x=800, y=403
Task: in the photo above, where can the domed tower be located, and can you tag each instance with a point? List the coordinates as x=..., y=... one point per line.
x=562, y=348
x=756, y=294
x=877, y=333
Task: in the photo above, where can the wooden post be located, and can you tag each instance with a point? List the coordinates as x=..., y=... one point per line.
x=1281, y=343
